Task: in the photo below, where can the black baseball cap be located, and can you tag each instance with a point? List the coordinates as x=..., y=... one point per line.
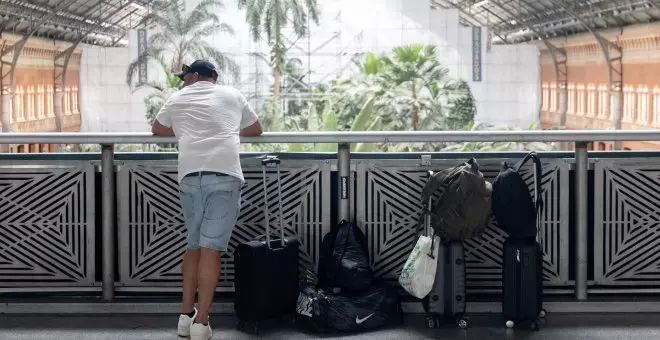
x=203, y=67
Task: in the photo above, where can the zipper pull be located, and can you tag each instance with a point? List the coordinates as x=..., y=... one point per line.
x=518, y=255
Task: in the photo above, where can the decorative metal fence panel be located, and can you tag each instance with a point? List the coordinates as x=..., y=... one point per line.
x=152, y=232
x=47, y=234
x=49, y=227
x=627, y=222
x=390, y=192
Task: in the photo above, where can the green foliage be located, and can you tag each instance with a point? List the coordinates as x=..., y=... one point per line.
x=406, y=89
x=270, y=118
x=461, y=110
x=329, y=123
x=413, y=91
x=272, y=17
x=160, y=92
x=412, y=87
x=498, y=146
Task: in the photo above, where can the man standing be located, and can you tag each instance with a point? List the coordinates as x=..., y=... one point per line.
x=207, y=120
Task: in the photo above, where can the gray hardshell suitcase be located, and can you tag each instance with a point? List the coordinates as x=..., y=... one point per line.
x=447, y=297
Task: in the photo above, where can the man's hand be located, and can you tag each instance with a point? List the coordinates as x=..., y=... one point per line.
x=159, y=129
x=253, y=130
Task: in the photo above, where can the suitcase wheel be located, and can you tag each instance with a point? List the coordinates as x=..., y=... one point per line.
x=463, y=323
x=534, y=326
x=542, y=313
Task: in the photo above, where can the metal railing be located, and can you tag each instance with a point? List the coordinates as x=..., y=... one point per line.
x=581, y=139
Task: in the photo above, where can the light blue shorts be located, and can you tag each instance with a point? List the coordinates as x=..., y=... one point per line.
x=211, y=204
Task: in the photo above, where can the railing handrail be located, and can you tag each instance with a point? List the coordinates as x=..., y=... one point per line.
x=347, y=137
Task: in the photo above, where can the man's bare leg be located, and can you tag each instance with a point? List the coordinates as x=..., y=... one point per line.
x=190, y=265
x=208, y=275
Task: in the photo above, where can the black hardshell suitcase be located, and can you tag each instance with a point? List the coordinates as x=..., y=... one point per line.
x=266, y=272
x=522, y=282
x=447, y=297
x=522, y=277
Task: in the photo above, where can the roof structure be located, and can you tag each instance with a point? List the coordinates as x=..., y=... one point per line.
x=96, y=22
x=106, y=22
x=517, y=21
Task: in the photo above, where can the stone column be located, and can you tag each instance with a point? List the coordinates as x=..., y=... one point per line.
x=6, y=109
x=39, y=102
x=74, y=101
x=67, y=101
x=50, y=101
x=29, y=108
x=563, y=103
x=18, y=104
x=58, y=107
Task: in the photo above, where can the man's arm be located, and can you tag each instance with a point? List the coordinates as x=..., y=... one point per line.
x=250, y=124
x=162, y=125
x=253, y=130
x=159, y=129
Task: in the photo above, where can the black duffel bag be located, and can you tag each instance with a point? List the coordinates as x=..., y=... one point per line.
x=344, y=261
x=321, y=312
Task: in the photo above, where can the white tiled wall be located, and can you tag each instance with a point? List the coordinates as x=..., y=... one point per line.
x=106, y=102
x=508, y=93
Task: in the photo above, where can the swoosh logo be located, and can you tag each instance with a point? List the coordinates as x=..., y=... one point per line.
x=359, y=321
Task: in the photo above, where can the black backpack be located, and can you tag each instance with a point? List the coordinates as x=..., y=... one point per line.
x=344, y=261
x=513, y=207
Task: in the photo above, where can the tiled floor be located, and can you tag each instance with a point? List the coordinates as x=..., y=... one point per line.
x=132, y=327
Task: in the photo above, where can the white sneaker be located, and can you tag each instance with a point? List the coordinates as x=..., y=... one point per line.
x=200, y=332
x=184, y=324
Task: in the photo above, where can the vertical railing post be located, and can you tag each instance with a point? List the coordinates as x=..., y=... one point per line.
x=582, y=219
x=344, y=174
x=108, y=207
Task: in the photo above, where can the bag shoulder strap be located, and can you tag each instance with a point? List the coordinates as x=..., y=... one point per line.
x=538, y=177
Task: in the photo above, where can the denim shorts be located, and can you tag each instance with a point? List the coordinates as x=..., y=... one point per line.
x=211, y=204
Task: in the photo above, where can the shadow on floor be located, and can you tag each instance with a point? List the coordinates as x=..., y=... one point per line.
x=483, y=327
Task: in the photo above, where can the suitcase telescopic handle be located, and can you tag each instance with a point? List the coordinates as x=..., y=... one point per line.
x=270, y=161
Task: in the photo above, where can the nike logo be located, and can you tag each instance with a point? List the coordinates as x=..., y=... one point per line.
x=359, y=321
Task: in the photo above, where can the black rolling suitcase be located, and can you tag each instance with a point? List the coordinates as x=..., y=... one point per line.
x=447, y=297
x=522, y=258
x=266, y=277
x=522, y=282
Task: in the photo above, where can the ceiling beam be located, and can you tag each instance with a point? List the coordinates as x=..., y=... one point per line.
x=467, y=15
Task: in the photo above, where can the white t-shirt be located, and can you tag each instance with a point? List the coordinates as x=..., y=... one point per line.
x=206, y=119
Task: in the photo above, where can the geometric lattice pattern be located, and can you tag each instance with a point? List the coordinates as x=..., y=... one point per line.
x=627, y=223
x=153, y=234
x=47, y=224
x=391, y=192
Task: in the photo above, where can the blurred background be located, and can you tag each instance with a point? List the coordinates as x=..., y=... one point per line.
x=337, y=65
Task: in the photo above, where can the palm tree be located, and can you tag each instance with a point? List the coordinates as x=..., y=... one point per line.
x=272, y=17
x=414, y=86
x=183, y=35
x=160, y=91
